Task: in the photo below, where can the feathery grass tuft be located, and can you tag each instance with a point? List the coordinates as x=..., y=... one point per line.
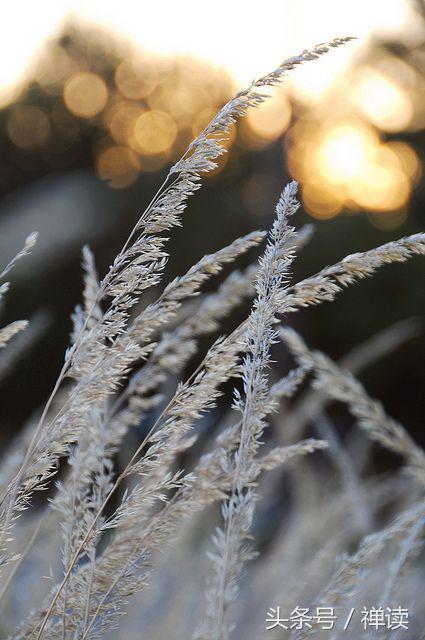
x=112, y=512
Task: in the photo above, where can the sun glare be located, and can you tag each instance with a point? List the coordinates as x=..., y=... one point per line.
x=345, y=151
x=166, y=83
x=386, y=105
x=241, y=42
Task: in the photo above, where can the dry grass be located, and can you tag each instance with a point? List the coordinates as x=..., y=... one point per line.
x=122, y=361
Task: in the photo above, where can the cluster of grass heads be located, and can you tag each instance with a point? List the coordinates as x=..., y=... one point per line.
x=100, y=531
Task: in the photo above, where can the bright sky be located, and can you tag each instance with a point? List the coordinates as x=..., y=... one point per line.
x=248, y=37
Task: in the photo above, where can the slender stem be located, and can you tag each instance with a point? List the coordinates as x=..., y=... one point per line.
x=35, y=439
x=24, y=553
x=117, y=482
x=124, y=568
x=218, y=632
x=99, y=296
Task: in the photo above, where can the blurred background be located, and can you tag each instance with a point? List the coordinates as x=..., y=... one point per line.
x=97, y=99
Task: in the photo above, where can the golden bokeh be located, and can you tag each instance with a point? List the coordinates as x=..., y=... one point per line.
x=154, y=132
x=380, y=188
x=344, y=151
x=118, y=165
x=385, y=104
x=189, y=100
x=57, y=67
x=121, y=118
x=336, y=146
x=85, y=94
x=28, y=126
x=344, y=164
x=135, y=79
x=151, y=108
x=266, y=124
x=272, y=119
x=321, y=203
x=408, y=159
x=161, y=97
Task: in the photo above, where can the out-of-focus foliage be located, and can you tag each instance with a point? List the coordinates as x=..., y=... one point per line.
x=353, y=148
x=132, y=111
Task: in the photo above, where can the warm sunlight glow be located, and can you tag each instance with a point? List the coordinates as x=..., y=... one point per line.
x=381, y=188
x=154, y=132
x=135, y=80
x=121, y=118
x=28, y=126
x=237, y=38
x=151, y=87
x=320, y=202
x=346, y=166
x=345, y=151
x=385, y=104
x=85, y=94
x=407, y=158
x=265, y=125
x=118, y=165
